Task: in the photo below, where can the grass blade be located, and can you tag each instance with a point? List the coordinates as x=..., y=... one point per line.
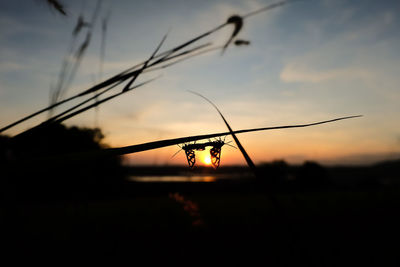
x=249, y=162
x=126, y=74
x=68, y=116
x=126, y=88
x=118, y=151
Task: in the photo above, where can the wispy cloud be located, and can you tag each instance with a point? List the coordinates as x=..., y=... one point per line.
x=12, y=66
x=295, y=72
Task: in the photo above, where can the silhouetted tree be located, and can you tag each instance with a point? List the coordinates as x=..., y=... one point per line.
x=275, y=173
x=37, y=162
x=311, y=175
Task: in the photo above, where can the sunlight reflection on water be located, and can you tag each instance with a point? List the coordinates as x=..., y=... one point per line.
x=173, y=178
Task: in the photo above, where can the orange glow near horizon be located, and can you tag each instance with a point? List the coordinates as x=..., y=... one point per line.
x=288, y=147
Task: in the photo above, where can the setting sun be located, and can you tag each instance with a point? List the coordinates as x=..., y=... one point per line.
x=207, y=160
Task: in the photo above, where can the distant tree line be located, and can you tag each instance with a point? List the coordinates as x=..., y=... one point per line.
x=36, y=164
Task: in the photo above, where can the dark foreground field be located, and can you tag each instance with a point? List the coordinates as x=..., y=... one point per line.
x=61, y=210
x=208, y=224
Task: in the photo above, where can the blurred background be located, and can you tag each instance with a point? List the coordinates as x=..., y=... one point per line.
x=306, y=61
x=326, y=195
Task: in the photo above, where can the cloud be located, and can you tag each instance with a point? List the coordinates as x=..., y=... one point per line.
x=294, y=72
x=11, y=66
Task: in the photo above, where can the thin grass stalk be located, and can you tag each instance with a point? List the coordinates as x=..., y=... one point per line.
x=74, y=69
x=38, y=113
x=183, y=59
x=126, y=74
x=82, y=49
x=113, y=81
x=119, y=151
x=113, y=86
x=62, y=87
x=57, y=5
x=266, y=8
x=122, y=76
x=249, y=162
x=177, y=141
x=102, y=101
x=119, y=78
x=68, y=116
x=144, y=65
x=95, y=97
x=104, y=26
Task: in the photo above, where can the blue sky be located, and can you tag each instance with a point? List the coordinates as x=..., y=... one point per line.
x=307, y=61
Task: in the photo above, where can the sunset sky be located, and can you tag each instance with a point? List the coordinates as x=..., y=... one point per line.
x=307, y=61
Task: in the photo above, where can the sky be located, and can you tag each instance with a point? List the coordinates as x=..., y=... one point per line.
x=307, y=61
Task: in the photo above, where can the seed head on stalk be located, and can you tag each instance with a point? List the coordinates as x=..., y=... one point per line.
x=237, y=21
